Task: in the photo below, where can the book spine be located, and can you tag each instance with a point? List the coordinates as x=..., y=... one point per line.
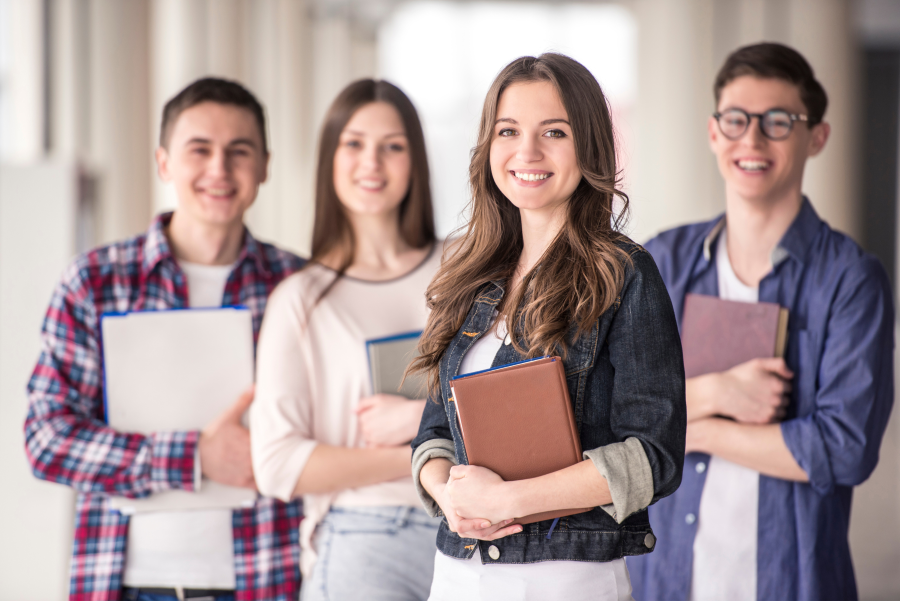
x=567, y=401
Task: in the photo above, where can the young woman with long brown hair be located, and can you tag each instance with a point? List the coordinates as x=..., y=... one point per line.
x=542, y=270
x=316, y=429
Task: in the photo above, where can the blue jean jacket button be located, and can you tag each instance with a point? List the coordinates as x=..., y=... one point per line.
x=494, y=552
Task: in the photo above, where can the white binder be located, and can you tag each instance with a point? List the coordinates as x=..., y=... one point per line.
x=176, y=370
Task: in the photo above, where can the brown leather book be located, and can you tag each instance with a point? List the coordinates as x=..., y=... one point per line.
x=517, y=421
x=718, y=334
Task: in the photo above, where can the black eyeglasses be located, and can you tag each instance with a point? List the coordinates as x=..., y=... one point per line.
x=775, y=124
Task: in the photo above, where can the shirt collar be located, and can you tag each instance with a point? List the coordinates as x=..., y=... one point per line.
x=800, y=235
x=157, y=248
x=794, y=243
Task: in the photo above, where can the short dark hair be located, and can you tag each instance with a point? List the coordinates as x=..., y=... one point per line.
x=212, y=89
x=775, y=61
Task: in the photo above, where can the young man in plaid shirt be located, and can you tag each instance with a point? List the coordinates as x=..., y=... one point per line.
x=213, y=150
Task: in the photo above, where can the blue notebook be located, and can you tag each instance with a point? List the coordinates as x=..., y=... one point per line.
x=388, y=359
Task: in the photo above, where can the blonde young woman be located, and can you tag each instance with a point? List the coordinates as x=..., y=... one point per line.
x=316, y=431
x=541, y=270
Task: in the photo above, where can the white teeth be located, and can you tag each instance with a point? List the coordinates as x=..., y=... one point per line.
x=218, y=191
x=531, y=177
x=370, y=184
x=750, y=165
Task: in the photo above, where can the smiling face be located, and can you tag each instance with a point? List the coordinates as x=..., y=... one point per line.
x=533, y=159
x=215, y=161
x=754, y=167
x=372, y=163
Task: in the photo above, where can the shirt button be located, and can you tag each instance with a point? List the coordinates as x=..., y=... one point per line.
x=690, y=518
x=700, y=467
x=494, y=552
x=649, y=540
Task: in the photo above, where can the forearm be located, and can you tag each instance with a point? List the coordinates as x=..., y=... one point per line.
x=758, y=447
x=63, y=447
x=576, y=486
x=701, y=396
x=434, y=476
x=332, y=468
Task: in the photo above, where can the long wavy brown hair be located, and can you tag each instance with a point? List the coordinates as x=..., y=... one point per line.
x=582, y=271
x=332, y=232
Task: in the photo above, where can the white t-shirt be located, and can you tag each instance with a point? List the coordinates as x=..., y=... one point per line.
x=725, y=545
x=550, y=580
x=192, y=549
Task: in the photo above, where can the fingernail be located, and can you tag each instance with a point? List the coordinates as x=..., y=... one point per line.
x=517, y=530
x=507, y=522
x=485, y=524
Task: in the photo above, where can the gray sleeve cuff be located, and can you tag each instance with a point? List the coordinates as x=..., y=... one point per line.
x=431, y=449
x=627, y=470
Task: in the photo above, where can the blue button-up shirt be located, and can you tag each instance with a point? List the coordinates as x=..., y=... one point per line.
x=840, y=348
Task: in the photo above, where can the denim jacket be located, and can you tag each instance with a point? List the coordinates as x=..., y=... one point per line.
x=626, y=381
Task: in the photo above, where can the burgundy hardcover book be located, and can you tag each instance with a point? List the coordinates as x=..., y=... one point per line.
x=718, y=334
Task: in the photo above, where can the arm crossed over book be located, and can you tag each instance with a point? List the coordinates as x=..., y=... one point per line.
x=518, y=428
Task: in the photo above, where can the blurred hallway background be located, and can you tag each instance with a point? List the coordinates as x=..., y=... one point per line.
x=82, y=84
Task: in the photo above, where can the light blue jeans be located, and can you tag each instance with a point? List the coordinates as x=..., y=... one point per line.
x=373, y=553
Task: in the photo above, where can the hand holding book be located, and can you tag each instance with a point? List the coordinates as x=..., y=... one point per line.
x=224, y=446
x=388, y=420
x=733, y=359
x=435, y=478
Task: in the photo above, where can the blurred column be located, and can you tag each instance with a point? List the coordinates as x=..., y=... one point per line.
x=26, y=81
x=280, y=73
x=121, y=151
x=70, y=79
x=333, y=57
x=674, y=177
x=822, y=30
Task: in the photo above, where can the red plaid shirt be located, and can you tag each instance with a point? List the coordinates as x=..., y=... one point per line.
x=68, y=441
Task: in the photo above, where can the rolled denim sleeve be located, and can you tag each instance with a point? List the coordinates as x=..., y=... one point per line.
x=627, y=471
x=436, y=448
x=433, y=441
x=648, y=396
x=850, y=375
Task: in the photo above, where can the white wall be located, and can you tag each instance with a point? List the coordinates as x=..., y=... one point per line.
x=37, y=240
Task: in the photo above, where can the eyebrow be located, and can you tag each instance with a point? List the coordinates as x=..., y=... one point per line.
x=544, y=122
x=238, y=141
x=359, y=133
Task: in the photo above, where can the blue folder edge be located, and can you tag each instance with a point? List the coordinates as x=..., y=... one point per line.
x=500, y=367
x=127, y=313
x=392, y=338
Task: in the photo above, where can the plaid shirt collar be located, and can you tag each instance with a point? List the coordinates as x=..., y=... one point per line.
x=158, y=250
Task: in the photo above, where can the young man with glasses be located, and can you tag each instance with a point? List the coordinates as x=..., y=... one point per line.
x=775, y=446
x=213, y=151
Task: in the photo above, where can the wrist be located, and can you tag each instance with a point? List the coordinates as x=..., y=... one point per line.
x=713, y=390
x=703, y=433
x=516, y=496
